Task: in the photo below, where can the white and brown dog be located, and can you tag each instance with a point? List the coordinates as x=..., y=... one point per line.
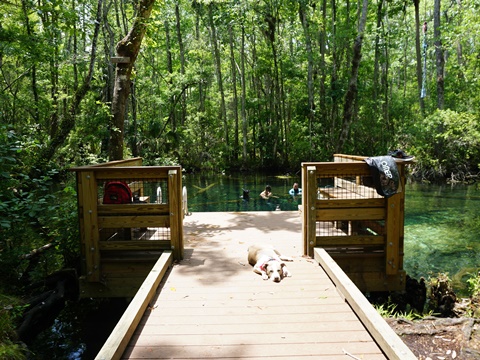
x=268, y=262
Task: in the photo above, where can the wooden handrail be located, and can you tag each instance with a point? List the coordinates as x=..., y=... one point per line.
x=127, y=162
x=393, y=347
x=121, y=335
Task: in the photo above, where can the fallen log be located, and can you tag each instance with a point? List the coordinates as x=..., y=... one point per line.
x=44, y=308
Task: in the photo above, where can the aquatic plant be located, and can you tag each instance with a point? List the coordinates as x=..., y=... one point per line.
x=474, y=285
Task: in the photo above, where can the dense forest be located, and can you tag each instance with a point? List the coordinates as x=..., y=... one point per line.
x=226, y=85
x=219, y=85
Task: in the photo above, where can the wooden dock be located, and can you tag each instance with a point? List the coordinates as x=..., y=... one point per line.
x=211, y=305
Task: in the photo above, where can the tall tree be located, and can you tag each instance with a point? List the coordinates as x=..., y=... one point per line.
x=418, y=55
x=30, y=34
x=351, y=95
x=218, y=71
x=440, y=61
x=323, y=53
x=244, y=94
x=302, y=11
x=127, y=49
x=181, y=49
x=233, y=69
x=271, y=18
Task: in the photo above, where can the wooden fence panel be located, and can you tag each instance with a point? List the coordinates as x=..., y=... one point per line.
x=362, y=230
x=120, y=242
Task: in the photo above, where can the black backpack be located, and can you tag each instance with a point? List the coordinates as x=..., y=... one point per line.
x=385, y=174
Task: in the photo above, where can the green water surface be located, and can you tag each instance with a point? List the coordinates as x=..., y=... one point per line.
x=442, y=231
x=225, y=193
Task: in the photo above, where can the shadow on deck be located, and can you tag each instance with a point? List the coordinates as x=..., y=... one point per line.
x=212, y=305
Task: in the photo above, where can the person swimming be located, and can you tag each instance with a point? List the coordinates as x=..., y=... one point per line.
x=267, y=193
x=295, y=190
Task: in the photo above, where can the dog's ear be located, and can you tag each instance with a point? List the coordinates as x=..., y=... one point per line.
x=266, y=269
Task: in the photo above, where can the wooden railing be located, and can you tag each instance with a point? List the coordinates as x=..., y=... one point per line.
x=121, y=242
x=361, y=230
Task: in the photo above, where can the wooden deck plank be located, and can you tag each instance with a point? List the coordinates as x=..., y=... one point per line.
x=219, y=308
x=268, y=351
x=323, y=327
x=212, y=306
x=248, y=338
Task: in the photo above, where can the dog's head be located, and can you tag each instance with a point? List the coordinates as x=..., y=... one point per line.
x=274, y=270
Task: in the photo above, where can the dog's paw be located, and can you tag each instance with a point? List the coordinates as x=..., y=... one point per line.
x=286, y=273
x=264, y=276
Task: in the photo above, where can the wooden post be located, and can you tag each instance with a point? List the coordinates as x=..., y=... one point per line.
x=176, y=215
x=181, y=214
x=87, y=198
x=310, y=209
x=401, y=224
x=392, y=224
x=304, y=209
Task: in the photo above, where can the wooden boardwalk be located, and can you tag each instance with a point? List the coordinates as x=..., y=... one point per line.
x=212, y=305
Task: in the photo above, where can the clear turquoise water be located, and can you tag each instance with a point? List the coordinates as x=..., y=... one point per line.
x=442, y=231
x=224, y=193
x=442, y=223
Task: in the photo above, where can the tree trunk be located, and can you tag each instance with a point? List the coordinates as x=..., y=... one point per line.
x=128, y=47
x=172, y=119
x=134, y=139
x=276, y=118
x=201, y=83
x=218, y=70
x=377, y=61
x=351, y=95
x=233, y=66
x=323, y=75
x=182, y=61
x=308, y=43
x=36, y=114
x=244, y=98
x=416, y=3
x=334, y=73
x=109, y=41
x=440, y=61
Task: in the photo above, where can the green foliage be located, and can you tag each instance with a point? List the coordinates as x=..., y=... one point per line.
x=174, y=108
x=389, y=310
x=474, y=285
x=33, y=213
x=445, y=143
x=11, y=351
x=10, y=309
x=9, y=148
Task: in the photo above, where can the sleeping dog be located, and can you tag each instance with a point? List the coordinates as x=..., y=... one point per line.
x=268, y=262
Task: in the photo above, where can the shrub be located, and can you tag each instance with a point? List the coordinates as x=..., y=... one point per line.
x=447, y=144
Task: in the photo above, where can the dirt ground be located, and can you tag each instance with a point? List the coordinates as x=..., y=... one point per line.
x=440, y=338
